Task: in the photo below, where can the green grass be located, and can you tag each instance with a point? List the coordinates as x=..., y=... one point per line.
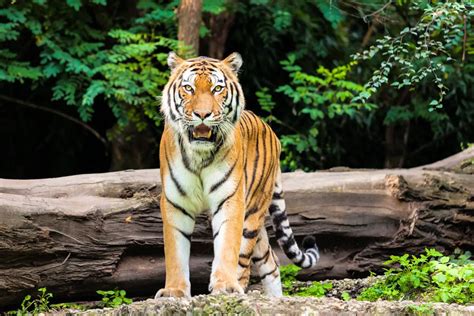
x=430, y=277
x=288, y=275
x=42, y=302
x=30, y=305
x=114, y=298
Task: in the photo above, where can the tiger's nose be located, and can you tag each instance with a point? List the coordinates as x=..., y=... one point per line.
x=203, y=114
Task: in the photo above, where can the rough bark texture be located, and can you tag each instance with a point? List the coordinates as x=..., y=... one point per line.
x=78, y=234
x=219, y=27
x=189, y=22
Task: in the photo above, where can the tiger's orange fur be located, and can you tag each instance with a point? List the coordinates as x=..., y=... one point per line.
x=219, y=158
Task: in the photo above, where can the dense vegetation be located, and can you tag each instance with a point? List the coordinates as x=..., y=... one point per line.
x=80, y=79
x=428, y=277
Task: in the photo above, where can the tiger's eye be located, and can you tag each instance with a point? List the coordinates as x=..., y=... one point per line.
x=218, y=89
x=188, y=88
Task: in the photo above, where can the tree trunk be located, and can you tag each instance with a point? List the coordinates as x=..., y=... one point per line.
x=219, y=27
x=131, y=148
x=189, y=22
x=396, y=141
x=81, y=233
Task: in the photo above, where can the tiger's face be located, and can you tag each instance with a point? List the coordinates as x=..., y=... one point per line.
x=203, y=99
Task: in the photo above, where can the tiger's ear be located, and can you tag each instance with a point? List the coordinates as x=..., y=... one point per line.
x=234, y=62
x=174, y=60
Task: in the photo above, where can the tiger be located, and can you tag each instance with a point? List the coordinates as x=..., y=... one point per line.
x=219, y=158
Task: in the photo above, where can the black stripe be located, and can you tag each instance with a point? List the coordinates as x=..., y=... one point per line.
x=255, y=164
x=176, y=206
x=277, y=196
x=176, y=183
x=170, y=101
x=279, y=233
x=300, y=262
x=187, y=236
x=277, y=219
x=226, y=198
x=212, y=157
x=244, y=123
x=219, y=230
x=264, y=163
x=231, y=94
x=265, y=256
x=184, y=156
x=269, y=273
x=246, y=256
x=273, y=208
x=224, y=179
x=250, y=234
x=310, y=259
x=173, y=178
x=237, y=105
x=286, y=248
x=251, y=211
x=176, y=100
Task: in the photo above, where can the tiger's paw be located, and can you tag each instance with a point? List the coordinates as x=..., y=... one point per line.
x=171, y=292
x=226, y=287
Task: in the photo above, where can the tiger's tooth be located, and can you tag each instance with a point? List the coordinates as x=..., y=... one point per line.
x=209, y=134
x=195, y=134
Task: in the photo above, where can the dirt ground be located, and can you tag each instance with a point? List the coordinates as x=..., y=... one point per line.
x=255, y=303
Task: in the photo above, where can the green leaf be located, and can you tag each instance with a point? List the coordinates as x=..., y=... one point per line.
x=330, y=11
x=75, y=4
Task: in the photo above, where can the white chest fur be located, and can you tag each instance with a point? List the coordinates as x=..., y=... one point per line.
x=199, y=191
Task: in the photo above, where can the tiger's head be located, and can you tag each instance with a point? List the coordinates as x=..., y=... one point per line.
x=203, y=99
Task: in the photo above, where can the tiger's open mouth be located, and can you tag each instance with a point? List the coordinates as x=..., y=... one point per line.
x=202, y=133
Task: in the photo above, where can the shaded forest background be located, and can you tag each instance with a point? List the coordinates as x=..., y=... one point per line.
x=362, y=83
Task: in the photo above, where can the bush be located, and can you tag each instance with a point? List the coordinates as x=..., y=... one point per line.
x=431, y=276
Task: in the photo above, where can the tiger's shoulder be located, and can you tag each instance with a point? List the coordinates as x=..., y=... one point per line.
x=253, y=127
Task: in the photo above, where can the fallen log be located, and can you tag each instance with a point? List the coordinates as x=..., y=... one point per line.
x=81, y=233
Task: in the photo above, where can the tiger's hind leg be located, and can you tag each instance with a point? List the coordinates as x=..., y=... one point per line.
x=267, y=265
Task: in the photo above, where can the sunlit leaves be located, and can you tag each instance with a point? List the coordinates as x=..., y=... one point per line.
x=419, y=53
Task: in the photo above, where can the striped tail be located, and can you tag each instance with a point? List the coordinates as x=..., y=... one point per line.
x=307, y=258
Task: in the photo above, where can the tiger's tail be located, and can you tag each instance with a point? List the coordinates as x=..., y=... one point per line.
x=306, y=258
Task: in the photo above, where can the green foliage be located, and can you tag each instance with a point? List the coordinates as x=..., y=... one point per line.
x=122, y=64
x=288, y=275
x=41, y=304
x=326, y=95
x=75, y=306
x=346, y=296
x=316, y=289
x=114, y=298
x=420, y=310
x=421, y=52
x=429, y=277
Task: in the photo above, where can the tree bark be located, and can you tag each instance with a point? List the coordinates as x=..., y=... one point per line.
x=189, y=22
x=81, y=233
x=219, y=27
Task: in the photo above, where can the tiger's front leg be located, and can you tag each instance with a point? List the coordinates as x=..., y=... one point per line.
x=178, y=226
x=227, y=226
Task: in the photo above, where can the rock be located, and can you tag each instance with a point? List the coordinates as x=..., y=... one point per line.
x=255, y=303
